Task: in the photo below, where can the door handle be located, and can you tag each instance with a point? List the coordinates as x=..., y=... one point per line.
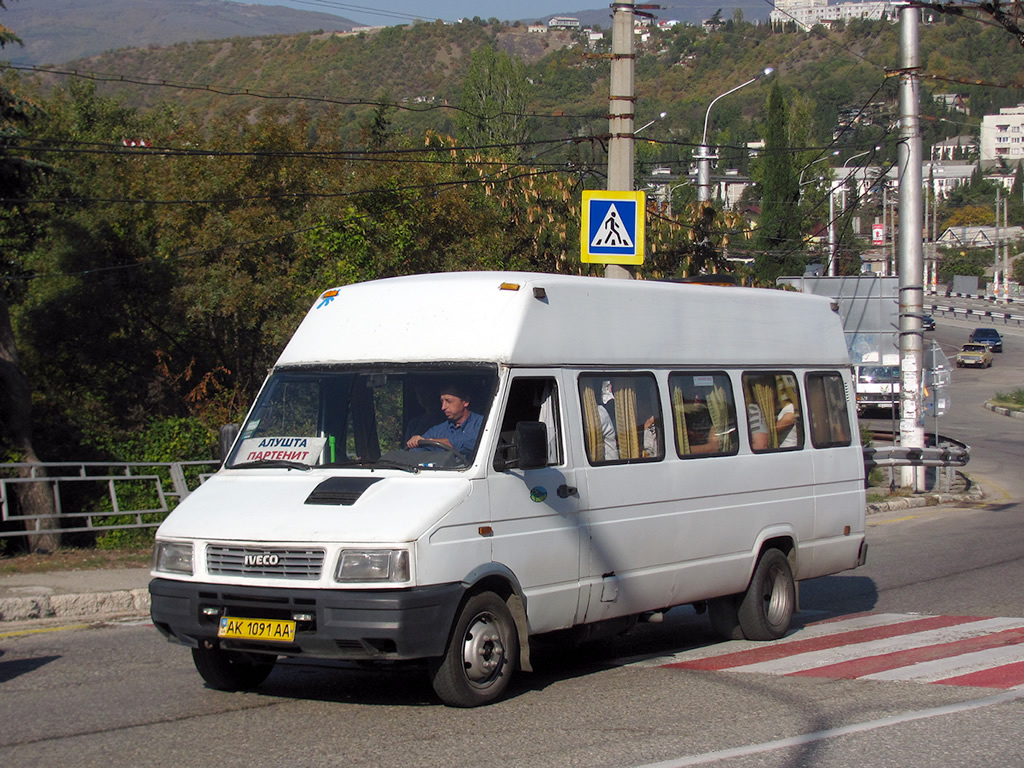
x=565, y=491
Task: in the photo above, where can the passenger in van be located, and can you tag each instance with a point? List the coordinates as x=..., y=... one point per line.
x=785, y=423
x=759, y=440
x=461, y=427
x=606, y=413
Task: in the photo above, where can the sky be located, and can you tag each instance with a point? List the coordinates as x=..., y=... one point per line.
x=383, y=12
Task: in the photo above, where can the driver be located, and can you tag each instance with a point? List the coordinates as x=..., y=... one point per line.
x=462, y=427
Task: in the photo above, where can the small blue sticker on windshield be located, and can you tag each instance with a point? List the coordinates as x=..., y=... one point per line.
x=538, y=494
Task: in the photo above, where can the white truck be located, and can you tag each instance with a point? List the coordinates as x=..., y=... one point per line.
x=633, y=446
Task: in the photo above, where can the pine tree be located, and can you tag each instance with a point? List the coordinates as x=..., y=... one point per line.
x=778, y=233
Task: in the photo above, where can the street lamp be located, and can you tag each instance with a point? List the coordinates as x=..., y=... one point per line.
x=820, y=159
x=832, y=211
x=846, y=177
x=704, y=156
x=662, y=116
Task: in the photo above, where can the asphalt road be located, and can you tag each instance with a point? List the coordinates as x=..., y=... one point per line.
x=119, y=695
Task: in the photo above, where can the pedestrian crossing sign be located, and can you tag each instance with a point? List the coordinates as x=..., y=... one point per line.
x=612, y=230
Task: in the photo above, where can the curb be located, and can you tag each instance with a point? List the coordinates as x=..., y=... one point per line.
x=131, y=602
x=1004, y=411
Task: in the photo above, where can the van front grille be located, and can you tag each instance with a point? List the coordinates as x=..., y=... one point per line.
x=259, y=562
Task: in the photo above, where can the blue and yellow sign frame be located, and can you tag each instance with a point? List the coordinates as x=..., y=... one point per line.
x=612, y=230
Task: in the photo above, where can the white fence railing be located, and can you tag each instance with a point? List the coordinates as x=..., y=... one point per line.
x=98, y=496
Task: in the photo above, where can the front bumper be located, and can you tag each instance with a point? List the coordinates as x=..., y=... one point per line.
x=346, y=624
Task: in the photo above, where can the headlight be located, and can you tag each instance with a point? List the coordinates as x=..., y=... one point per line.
x=373, y=565
x=172, y=557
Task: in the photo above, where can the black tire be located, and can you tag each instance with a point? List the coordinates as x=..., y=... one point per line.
x=725, y=617
x=769, y=602
x=481, y=655
x=232, y=670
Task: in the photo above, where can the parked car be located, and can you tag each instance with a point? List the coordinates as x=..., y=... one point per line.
x=988, y=336
x=977, y=355
x=928, y=323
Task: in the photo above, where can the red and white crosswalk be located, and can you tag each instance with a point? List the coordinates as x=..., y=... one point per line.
x=944, y=650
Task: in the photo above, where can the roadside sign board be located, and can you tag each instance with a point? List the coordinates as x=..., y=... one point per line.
x=612, y=230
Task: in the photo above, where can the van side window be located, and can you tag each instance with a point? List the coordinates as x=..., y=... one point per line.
x=827, y=414
x=622, y=420
x=533, y=399
x=703, y=414
x=774, y=420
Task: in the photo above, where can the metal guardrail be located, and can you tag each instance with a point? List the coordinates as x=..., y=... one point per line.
x=168, y=483
x=899, y=456
x=964, y=313
x=87, y=494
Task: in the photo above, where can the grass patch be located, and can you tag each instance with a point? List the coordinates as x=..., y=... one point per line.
x=75, y=560
x=1012, y=400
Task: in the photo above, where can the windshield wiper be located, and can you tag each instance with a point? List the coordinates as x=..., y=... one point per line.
x=265, y=463
x=378, y=464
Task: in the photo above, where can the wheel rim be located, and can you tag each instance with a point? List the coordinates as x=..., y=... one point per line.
x=483, y=650
x=777, y=603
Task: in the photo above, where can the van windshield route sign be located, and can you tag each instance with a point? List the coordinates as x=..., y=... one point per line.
x=612, y=230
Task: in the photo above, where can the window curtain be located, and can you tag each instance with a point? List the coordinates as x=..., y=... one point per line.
x=625, y=418
x=718, y=408
x=592, y=423
x=764, y=396
x=679, y=407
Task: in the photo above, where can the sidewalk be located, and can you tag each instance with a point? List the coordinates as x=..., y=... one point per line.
x=74, y=595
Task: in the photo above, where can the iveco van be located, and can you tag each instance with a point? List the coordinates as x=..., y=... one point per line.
x=630, y=446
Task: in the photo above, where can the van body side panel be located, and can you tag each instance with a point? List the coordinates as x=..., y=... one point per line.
x=839, y=503
x=454, y=546
x=534, y=515
x=537, y=536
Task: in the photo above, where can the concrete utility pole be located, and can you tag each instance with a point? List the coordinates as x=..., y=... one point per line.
x=911, y=273
x=621, y=112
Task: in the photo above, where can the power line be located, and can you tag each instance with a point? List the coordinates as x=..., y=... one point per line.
x=101, y=77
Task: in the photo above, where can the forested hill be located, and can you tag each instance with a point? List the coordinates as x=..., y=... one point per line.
x=421, y=68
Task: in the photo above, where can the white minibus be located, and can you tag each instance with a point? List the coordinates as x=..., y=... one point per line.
x=442, y=467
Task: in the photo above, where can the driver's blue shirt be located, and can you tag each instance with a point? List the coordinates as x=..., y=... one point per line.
x=463, y=436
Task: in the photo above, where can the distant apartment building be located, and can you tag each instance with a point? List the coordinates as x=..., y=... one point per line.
x=955, y=148
x=563, y=22
x=807, y=13
x=1002, y=136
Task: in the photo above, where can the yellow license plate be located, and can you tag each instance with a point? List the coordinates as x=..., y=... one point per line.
x=257, y=629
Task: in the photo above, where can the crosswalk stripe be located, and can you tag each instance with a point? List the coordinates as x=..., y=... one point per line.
x=946, y=650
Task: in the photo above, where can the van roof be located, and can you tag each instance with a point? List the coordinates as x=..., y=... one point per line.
x=522, y=318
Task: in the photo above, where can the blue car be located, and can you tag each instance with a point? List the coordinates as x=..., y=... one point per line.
x=989, y=336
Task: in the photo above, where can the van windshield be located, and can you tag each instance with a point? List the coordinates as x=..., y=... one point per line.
x=879, y=374
x=372, y=417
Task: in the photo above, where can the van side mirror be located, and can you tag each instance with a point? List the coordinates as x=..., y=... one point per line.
x=532, y=444
x=225, y=439
x=528, y=449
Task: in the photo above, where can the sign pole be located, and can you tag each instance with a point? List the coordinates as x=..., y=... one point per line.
x=621, y=112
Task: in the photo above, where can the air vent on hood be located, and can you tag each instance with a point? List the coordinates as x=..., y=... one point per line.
x=341, y=490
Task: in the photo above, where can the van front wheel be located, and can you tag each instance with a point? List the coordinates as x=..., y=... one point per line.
x=769, y=602
x=481, y=655
x=232, y=670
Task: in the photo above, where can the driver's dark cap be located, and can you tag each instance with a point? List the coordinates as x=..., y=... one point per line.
x=454, y=388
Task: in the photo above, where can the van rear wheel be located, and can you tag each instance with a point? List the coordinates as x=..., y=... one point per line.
x=481, y=655
x=770, y=601
x=232, y=670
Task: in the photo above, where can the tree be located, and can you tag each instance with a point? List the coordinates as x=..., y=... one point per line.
x=779, y=241
x=16, y=177
x=493, y=103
